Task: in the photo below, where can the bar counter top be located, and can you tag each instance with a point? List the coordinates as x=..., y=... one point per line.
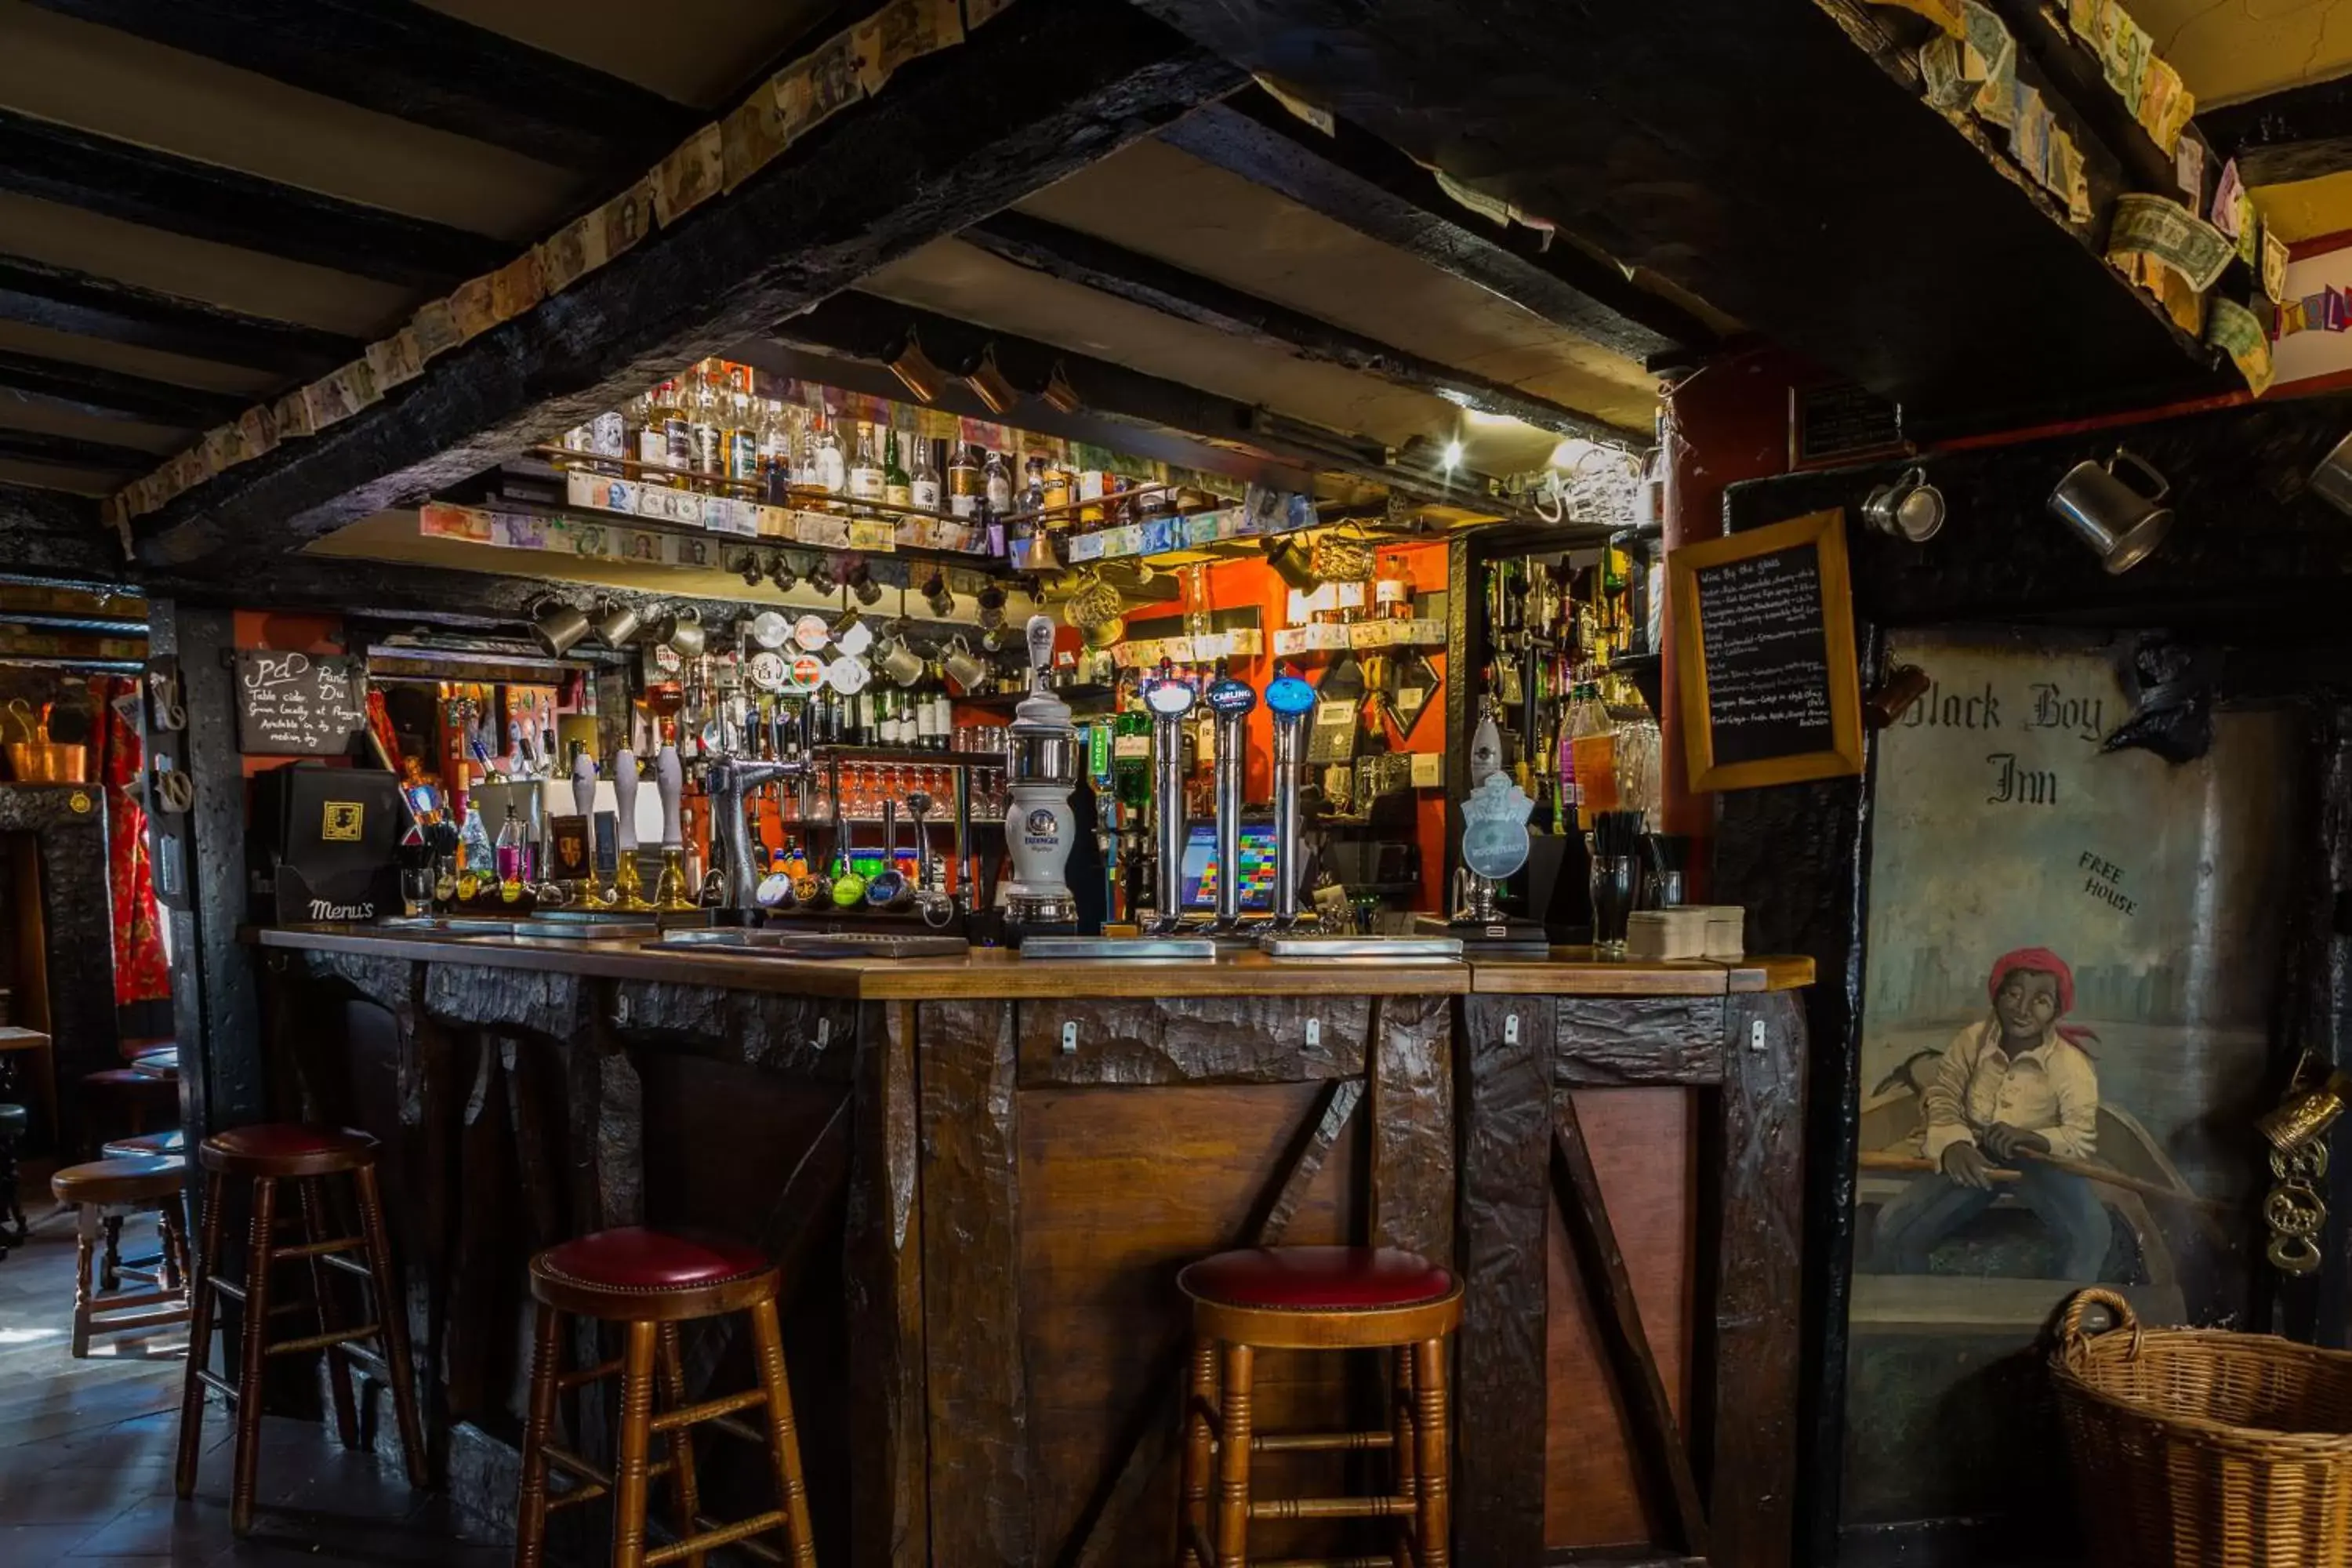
x=996, y=974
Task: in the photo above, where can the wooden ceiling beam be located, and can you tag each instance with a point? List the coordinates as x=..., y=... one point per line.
x=863, y=327
x=1771, y=160
x=73, y=451
x=65, y=300
x=1044, y=89
x=2300, y=133
x=50, y=535
x=111, y=395
x=418, y=64
x=1156, y=285
x=208, y=201
x=1355, y=178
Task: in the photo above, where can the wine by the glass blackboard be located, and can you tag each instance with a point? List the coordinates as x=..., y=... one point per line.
x=298, y=704
x=1765, y=656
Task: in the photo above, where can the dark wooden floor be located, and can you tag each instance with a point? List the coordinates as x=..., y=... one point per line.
x=86, y=1455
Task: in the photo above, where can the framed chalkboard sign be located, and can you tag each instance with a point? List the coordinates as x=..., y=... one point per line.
x=298, y=704
x=1764, y=656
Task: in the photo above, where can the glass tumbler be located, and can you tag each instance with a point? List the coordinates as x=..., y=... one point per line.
x=1616, y=881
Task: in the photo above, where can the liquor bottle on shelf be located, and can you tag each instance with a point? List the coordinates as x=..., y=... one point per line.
x=741, y=445
x=1033, y=485
x=965, y=489
x=996, y=485
x=1392, y=589
x=898, y=485
x=829, y=468
x=866, y=470
x=923, y=479
x=775, y=449
x=706, y=420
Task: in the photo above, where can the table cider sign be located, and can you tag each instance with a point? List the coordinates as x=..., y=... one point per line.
x=2071, y=960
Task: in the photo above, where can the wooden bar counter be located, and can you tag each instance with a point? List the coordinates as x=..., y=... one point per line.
x=982, y=1176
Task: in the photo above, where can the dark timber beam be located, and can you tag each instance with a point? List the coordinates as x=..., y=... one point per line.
x=1355, y=179
x=2298, y=134
x=416, y=64
x=65, y=300
x=162, y=190
x=73, y=451
x=1139, y=279
x=1675, y=150
x=863, y=327
x=1043, y=90
x=46, y=534
x=114, y=396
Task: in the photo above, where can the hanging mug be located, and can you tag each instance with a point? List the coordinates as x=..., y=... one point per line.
x=897, y=663
x=965, y=669
x=558, y=627
x=682, y=631
x=616, y=624
x=1909, y=509
x=2118, y=522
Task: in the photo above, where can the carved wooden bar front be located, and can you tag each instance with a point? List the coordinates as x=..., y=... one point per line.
x=981, y=1178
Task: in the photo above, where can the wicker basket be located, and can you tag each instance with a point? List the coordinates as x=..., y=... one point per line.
x=2202, y=1447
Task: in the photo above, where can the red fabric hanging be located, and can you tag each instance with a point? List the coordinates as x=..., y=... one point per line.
x=141, y=972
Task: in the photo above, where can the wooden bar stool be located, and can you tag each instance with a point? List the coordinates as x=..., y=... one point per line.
x=102, y=1194
x=1316, y=1299
x=143, y=1143
x=651, y=1282
x=268, y=1155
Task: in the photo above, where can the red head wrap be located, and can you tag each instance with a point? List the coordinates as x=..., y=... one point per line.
x=2044, y=961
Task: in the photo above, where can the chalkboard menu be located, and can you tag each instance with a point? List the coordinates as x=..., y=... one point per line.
x=1764, y=657
x=298, y=704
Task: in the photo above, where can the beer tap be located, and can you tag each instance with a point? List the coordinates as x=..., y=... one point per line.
x=1230, y=700
x=1041, y=767
x=732, y=780
x=1169, y=699
x=1292, y=702
x=628, y=884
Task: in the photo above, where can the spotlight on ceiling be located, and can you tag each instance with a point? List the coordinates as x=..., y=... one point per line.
x=1453, y=454
x=2116, y=522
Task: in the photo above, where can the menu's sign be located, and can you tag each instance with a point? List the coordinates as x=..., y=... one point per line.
x=298, y=704
x=1765, y=656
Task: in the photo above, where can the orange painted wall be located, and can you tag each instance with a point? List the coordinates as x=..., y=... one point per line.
x=1241, y=585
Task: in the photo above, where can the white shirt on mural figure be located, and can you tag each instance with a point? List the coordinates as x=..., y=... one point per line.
x=2051, y=1090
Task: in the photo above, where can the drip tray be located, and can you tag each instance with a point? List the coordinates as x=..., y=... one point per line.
x=1304, y=946
x=1119, y=947
x=770, y=943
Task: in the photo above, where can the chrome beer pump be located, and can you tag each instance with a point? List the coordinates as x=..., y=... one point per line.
x=1230, y=700
x=1169, y=699
x=1292, y=702
x=1042, y=767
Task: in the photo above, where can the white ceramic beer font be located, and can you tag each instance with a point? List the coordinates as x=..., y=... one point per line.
x=673, y=891
x=628, y=887
x=1041, y=767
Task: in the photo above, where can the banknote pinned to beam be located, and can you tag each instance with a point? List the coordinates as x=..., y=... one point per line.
x=2155, y=225
x=2238, y=332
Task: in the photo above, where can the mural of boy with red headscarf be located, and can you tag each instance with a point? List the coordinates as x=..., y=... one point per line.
x=2018, y=1083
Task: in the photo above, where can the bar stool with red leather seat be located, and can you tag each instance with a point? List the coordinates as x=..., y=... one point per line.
x=1315, y=1299
x=266, y=1155
x=651, y=1281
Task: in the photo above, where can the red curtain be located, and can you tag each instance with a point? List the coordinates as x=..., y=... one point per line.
x=141, y=972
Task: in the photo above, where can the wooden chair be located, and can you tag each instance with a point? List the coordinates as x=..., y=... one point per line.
x=1316, y=1299
x=102, y=1193
x=304, y=1156
x=651, y=1282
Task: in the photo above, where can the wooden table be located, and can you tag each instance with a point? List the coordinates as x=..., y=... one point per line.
x=981, y=1173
